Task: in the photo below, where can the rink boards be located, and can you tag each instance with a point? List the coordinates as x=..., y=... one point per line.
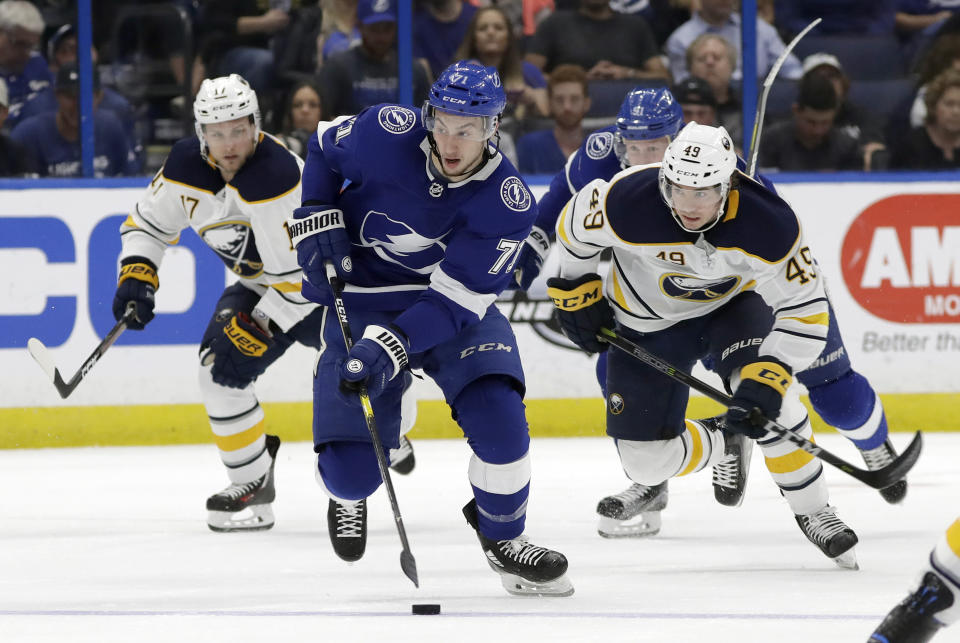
x=891, y=251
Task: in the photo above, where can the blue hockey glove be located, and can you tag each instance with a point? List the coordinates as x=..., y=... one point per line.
x=319, y=235
x=760, y=393
x=138, y=282
x=375, y=360
x=238, y=350
x=582, y=310
x=532, y=255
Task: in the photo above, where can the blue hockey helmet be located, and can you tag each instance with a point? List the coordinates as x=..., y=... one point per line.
x=648, y=113
x=467, y=89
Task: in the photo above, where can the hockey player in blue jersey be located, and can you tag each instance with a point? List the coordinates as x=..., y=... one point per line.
x=701, y=254
x=423, y=218
x=648, y=119
x=235, y=186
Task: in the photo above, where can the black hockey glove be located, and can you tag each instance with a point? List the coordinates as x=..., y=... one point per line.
x=375, y=360
x=138, y=282
x=532, y=255
x=582, y=310
x=760, y=393
x=319, y=235
x=238, y=350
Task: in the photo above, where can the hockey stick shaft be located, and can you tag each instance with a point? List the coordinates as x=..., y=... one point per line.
x=407, y=562
x=762, y=103
x=41, y=354
x=878, y=478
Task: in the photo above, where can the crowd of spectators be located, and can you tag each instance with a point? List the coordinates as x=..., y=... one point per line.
x=312, y=60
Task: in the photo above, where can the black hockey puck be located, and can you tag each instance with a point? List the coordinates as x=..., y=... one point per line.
x=426, y=609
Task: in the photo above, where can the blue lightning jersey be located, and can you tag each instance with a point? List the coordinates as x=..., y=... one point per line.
x=439, y=251
x=595, y=159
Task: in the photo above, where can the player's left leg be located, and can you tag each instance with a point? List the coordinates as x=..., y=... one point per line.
x=844, y=399
x=934, y=604
x=347, y=468
x=481, y=377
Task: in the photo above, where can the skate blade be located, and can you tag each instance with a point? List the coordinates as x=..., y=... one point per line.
x=644, y=524
x=254, y=518
x=847, y=560
x=519, y=586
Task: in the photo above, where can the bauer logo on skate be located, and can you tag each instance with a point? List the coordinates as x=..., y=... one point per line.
x=901, y=258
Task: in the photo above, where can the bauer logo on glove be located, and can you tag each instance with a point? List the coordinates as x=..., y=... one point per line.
x=244, y=335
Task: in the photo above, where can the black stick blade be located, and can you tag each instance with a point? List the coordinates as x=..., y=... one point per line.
x=409, y=566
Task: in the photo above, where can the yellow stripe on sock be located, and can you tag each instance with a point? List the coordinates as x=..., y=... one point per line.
x=240, y=440
x=697, y=455
x=793, y=461
x=953, y=538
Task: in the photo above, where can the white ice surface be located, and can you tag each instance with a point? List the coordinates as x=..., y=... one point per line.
x=110, y=544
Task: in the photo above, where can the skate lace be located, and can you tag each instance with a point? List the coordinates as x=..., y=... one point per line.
x=824, y=524
x=520, y=550
x=878, y=457
x=236, y=490
x=349, y=520
x=726, y=473
x=637, y=494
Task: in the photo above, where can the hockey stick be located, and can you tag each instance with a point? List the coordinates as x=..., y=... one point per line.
x=878, y=478
x=407, y=562
x=42, y=355
x=762, y=103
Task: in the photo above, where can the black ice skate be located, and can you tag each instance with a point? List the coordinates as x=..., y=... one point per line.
x=347, y=524
x=878, y=458
x=831, y=535
x=914, y=620
x=730, y=474
x=524, y=568
x=632, y=513
x=402, y=459
x=245, y=506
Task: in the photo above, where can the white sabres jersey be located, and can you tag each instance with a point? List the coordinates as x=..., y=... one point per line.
x=660, y=274
x=243, y=221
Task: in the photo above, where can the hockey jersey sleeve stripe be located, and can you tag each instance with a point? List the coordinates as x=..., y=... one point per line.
x=818, y=300
x=475, y=302
x=141, y=218
x=287, y=286
x=822, y=319
x=953, y=538
x=816, y=338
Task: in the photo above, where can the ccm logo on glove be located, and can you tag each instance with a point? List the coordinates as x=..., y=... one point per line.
x=770, y=373
x=584, y=295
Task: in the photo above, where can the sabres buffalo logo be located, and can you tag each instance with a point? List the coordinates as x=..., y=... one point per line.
x=681, y=286
x=234, y=243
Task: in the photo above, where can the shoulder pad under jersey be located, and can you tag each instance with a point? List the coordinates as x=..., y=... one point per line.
x=185, y=165
x=270, y=173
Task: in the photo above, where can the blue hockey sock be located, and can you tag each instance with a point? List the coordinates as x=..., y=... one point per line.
x=852, y=406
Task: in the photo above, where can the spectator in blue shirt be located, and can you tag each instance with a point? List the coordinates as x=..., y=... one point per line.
x=21, y=67
x=52, y=139
x=546, y=151
x=14, y=160
x=718, y=17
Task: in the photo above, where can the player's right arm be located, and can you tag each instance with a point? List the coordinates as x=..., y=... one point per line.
x=154, y=224
x=583, y=230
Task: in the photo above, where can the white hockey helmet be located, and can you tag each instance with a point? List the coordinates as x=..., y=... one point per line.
x=700, y=156
x=225, y=99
